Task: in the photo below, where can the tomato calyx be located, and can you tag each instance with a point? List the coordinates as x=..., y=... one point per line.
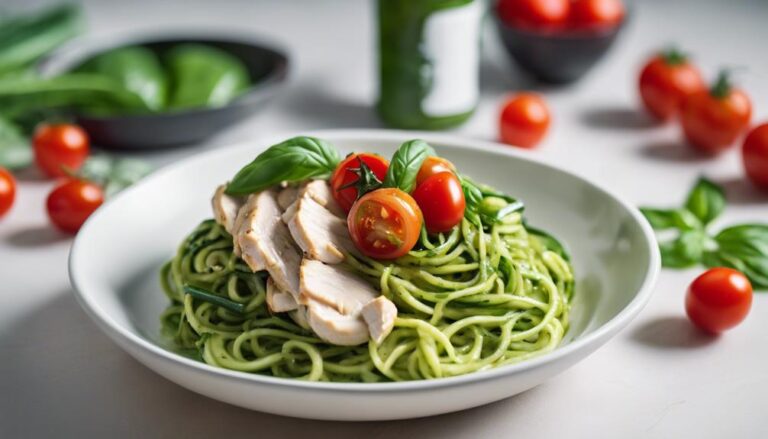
x=722, y=86
x=367, y=181
x=674, y=57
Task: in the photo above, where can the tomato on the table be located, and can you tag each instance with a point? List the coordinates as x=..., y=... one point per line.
x=347, y=174
x=596, y=14
x=534, y=14
x=60, y=147
x=713, y=119
x=665, y=81
x=524, y=120
x=433, y=165
x=754, y=154
x=72, y=202
x=441, y=201
x=7, y=191
x=385, y=223
x=719, y=299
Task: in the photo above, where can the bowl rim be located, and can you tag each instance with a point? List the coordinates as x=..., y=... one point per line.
x=120, y=334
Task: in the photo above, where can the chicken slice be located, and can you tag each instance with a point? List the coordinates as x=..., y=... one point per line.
x=331, y=285
x=334, y=327
x=320, y=191
x=379, y=314
x=225, y=208
x=287, y=196
x=278, y=300
x=321, y=234
x=300, y=317
x=245, y=219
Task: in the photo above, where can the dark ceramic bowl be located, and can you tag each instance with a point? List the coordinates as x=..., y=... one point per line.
x=267, y=67
x=557, y=57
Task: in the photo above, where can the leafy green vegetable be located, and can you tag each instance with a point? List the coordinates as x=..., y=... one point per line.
x=113, y=174
x=706, y=201
x=204, y=76
x=15, y=152
x=745, y=248
x=214, y=299
x=684, y=251
x=406, y=163
x=665, y=219
x=487, y=203
x=293, y=160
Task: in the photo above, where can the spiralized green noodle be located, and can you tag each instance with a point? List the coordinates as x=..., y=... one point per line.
x=479, y=297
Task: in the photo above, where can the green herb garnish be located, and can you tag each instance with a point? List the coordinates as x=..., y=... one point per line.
x=214, y=299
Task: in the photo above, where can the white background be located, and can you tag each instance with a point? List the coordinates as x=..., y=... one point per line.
x=59, y=376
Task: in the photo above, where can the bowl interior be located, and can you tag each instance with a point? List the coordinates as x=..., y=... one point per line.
x=118, y=253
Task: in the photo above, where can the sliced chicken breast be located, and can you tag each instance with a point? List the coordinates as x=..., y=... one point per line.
x=300, y=317
x=333, y=286
x=225, y=208
x=278, y=300
x=243, y=222
x=334, y=327
x=321, y=234
x=287, y=196
x=379, y=314
x=320, y=191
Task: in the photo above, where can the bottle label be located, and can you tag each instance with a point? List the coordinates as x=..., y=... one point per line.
x=452, y=46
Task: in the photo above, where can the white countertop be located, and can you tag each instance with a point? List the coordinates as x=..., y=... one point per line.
x=660, y=378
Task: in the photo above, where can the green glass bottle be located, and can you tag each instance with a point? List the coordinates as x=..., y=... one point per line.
x=429, y=53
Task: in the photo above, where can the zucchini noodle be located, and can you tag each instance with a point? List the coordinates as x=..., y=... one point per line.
x=482, y=296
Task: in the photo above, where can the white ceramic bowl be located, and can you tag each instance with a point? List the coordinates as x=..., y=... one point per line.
x=115, y=260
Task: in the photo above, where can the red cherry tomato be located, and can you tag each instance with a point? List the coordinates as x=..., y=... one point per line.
x=431, y=166
x=713, y=120
x=719, y=299
x=385, y=223
x=665, y=81
x=524, y=120
x=441, y=201
x=72, y=202
x=534, y=14
x=7, y=191
x=755, y=156
x=345, y=175
x=596, y=14
x=58, y=146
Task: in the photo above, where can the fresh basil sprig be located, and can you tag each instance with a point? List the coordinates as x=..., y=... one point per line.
x=406, y=163
x=742, y=247
x=293, y=160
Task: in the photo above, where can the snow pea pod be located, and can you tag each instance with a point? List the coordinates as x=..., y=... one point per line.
x=204, y=76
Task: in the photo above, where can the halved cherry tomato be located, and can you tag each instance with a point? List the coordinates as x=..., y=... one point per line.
x=719, y=299
x=433, y=165
x=59, y=146
x=596, y=14
x=441, y=201
x=72, y=202
x=665, y=81
x=385, y=223
x=534, y=14
x=755, y=156
x=713, y=119
x=345, y=175
x=524, y=120
x=7, y=191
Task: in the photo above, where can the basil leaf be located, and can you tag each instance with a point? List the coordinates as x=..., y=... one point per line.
x=473, y=196
x=406, y=163
x=549, y=242
x=706, y=200
x=293, y=160
x=15, y=152
x=113, y=174
x=744, y=248
x=685, y=251
x=659, y=219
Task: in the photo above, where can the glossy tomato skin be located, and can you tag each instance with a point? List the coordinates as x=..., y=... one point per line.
x=433, y=165
x=7, y=191
x=343, y=175
x=665, y=83
x=441, y=201
x=524, y=120
x=712, y=124
x=385, y=223
x=719, y=299
x=755, y=156
x=534, y=14
x=72, y=202
x=59, y=146
x=596, y=14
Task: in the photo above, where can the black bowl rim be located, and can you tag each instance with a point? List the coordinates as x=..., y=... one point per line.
x=81, y=49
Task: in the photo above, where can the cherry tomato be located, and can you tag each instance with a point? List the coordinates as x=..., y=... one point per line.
x=385, y=223
x=441, y=201
x=57, y=146
x=534, y=14
x=713, y=119
x=719, y=299
x=7, y=191
x=755, y=156
x=524, y=120
x=72, y=202
x=345, y=175
x=431, y=166
x=665, y=81
x=596, y=14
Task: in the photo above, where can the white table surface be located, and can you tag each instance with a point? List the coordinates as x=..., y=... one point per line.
x=60, y=376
